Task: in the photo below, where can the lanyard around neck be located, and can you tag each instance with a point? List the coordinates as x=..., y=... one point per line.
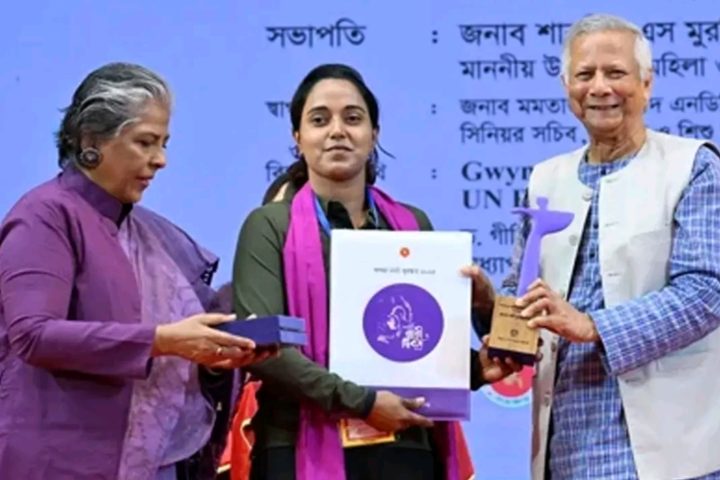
x=322, y=216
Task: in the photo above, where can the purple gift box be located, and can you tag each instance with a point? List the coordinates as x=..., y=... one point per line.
x=270, y=330
x=442, y=404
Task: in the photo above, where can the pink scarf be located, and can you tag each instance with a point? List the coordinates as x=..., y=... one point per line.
x=319, y=453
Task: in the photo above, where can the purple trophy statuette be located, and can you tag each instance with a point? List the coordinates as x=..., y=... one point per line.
x=403, y=322
x=543, y=222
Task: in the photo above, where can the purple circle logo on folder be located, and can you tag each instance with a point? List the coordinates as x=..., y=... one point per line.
x=403, y=322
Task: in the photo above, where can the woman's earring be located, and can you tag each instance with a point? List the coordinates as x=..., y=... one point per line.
x=89, y=158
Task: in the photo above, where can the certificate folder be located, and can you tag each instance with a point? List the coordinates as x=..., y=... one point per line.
x=400, y=315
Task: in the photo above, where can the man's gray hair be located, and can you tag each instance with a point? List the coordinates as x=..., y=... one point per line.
x=601, y=22
x=110, y=98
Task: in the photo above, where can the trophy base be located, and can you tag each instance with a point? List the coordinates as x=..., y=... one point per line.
x=509, y=334
x=518, y=357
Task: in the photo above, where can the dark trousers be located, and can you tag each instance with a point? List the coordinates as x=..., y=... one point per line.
x=201, y=465
x=375, y=462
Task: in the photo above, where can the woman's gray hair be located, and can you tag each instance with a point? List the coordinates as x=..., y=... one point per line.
x=601, y=22
x=110, y=98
